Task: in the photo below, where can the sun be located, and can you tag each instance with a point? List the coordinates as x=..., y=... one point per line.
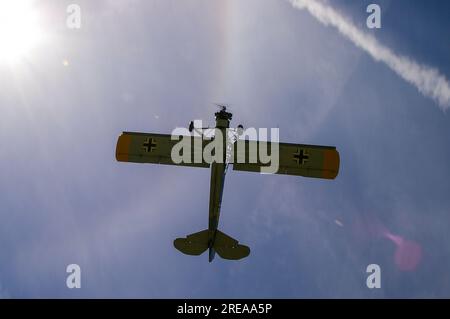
x=20, y=29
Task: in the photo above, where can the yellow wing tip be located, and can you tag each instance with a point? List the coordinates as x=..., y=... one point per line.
x=331, y=164
x=123, y=147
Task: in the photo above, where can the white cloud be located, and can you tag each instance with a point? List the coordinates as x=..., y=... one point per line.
x=429, y=81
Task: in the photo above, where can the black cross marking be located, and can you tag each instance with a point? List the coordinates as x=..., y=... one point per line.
x=301, y=157
x=149, y=145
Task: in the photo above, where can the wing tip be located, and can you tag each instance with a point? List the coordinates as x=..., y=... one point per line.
x=331, y=164
x=123, y=147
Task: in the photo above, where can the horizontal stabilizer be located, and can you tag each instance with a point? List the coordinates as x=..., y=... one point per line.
x=229, y=248
x=193, y=244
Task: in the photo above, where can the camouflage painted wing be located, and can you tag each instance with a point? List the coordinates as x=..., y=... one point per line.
x=157, y=149
x=294, y=159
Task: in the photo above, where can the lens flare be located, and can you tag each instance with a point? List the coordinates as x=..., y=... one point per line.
x=408, y=253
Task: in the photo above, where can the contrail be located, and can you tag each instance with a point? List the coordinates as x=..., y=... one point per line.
x=429, y=81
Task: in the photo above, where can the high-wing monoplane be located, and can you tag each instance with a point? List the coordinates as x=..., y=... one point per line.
x=217, y=152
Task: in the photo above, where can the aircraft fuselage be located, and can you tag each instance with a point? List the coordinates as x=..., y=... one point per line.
x=218, y=171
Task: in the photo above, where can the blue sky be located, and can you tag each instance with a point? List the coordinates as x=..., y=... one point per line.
x=152, y=66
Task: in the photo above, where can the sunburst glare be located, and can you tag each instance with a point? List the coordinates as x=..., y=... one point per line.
x=20, y=30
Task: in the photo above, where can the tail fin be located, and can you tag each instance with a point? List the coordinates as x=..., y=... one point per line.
x=229, y=248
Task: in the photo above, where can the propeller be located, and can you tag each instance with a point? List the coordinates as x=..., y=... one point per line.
x=222, y=106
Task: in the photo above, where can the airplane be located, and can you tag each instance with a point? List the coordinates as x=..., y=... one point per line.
x=294, y=159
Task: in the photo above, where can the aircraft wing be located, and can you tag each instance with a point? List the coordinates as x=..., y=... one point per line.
x=294, y=159
x=157, y=149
